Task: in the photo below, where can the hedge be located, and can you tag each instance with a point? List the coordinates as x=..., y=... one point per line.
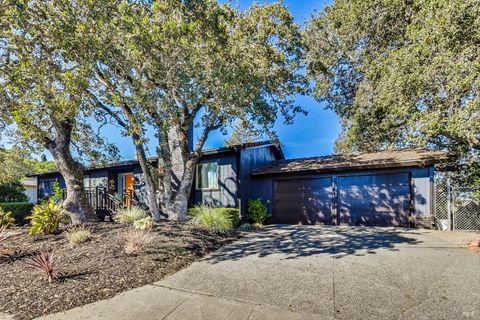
x=19, y=210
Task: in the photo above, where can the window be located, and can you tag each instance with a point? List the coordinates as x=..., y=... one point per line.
x=87, y=182
x=207, y=176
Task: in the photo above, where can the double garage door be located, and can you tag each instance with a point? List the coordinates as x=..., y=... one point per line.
x=375, y=199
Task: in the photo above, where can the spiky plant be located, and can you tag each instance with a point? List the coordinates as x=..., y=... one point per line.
x=44, y=262
x=137, y=241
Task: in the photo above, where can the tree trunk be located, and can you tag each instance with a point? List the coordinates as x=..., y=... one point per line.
x=150, y=188
x=72, y=171
x=177, y=168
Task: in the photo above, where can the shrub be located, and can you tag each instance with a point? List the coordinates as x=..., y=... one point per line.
x=20, y=210
x=78, y=234
x=6, y=218
x=211, y=218
x=45, y=263
x=137, y=241
x=129, y=215
x=143, y=224
x=257, y=211
x=232, y=213
x=12, y=192
x=46, y=218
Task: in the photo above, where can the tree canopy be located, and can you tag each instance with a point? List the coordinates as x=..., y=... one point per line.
x=399, y=73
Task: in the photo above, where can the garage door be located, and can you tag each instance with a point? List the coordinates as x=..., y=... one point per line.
x=380, y=200
x=303, y=201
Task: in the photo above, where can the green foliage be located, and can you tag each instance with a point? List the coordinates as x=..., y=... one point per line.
x=214, y=218
x=399, y=73
x=78, y=235
x=257, y=211
x=57, y=196
x=20, y=210
x=143, y=224
x=243, y=132
x=6, y=218
x=233, y=214
x=12, y=191
x=47, y=217
x=130, y=215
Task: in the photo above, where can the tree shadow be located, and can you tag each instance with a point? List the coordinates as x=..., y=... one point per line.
x=297, y=242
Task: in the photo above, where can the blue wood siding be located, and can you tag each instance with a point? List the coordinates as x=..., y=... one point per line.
x=226, y=195
x=262, y=188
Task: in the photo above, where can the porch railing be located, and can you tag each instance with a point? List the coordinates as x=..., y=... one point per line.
x=101, y=200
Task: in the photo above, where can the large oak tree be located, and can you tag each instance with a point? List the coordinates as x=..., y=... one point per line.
x=43, y=86
x=181, y=64
x=399, y=72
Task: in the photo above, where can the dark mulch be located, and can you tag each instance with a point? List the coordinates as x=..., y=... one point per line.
x=97, y=269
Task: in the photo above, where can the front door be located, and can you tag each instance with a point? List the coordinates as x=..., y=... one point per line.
x=125, y=187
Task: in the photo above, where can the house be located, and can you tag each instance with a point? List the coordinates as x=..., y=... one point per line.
x=30, y=186
x=388, y=188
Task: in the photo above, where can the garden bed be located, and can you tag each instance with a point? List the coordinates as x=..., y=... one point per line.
x=97, y=269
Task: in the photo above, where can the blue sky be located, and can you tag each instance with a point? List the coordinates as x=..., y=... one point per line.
x=310, y=135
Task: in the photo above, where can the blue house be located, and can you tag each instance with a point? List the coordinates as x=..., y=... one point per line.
x=388, y=188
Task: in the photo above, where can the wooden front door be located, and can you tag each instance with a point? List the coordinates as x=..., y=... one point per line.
x=125, y=187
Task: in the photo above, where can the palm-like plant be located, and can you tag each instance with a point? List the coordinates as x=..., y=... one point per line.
x=45, y=263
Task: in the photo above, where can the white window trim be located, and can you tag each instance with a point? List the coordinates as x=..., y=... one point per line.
x=197, y=187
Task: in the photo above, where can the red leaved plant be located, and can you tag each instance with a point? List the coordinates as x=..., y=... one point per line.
x=45, y=263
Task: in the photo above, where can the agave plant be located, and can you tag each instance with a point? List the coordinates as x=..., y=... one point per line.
x=44, y=262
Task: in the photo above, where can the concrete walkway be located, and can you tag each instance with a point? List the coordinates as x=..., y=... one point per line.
x=314, y=273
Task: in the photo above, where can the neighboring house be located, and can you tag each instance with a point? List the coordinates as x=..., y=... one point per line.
x=31, y=189
x=389, y=188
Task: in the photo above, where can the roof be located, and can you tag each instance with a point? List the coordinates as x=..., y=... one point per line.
x=125, y=163
x=351, y=162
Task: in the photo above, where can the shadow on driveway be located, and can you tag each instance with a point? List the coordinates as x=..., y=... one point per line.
x=302, y=241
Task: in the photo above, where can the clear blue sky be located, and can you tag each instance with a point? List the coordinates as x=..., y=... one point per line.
x=310, y=135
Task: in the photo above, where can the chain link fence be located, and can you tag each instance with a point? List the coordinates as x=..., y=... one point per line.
x=457, y=208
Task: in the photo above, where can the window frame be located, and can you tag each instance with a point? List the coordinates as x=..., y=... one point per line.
x=197, y=175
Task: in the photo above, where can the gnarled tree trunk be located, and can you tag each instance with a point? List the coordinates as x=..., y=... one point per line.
x=72, y=171
x=177, y=170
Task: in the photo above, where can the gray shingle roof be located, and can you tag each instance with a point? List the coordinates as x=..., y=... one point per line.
x=349, y=162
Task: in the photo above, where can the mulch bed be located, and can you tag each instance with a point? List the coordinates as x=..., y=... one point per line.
x=97, y=269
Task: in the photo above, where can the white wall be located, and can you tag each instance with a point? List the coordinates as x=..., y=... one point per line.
x=30, y=186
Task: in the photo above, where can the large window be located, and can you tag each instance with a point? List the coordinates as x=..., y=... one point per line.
x=207, y=176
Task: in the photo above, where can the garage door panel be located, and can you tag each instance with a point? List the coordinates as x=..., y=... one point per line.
x=374, y=199
x=307, y=201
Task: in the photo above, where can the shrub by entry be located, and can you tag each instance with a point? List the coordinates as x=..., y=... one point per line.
x=130, y=215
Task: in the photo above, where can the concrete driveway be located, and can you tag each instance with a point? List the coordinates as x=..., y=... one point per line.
x=314, y=273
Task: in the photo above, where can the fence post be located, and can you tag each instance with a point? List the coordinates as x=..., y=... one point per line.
x=449, y=205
